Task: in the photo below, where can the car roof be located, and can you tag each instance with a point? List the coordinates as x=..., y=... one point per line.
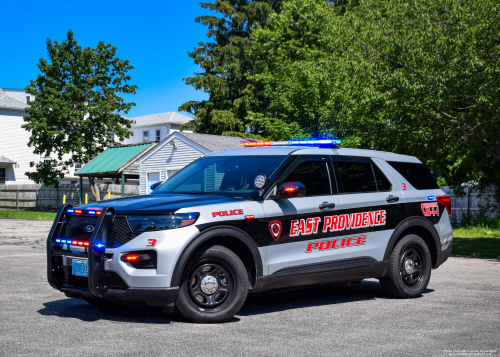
x=294, y=150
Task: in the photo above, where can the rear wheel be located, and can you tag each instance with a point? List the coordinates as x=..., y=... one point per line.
x=409, y=268
x=214, y=285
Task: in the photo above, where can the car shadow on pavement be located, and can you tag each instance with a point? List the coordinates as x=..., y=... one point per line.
x=80, y=309
x=256, y=304
x=332, y=294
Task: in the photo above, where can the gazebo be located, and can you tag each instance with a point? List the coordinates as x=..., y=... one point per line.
x=116, y=162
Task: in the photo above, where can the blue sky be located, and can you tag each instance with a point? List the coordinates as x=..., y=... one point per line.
x=155, y=36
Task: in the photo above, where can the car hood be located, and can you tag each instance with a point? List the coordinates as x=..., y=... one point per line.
x=157, y=203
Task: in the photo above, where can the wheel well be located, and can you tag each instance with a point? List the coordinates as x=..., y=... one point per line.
x=425, y=235
x=240, y=249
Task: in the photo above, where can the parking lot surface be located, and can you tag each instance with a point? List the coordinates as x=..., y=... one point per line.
x=458, y=313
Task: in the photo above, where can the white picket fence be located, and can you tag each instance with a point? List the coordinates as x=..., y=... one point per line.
x=471, y=202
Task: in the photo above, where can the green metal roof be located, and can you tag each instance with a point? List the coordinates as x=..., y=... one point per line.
x=112, y=159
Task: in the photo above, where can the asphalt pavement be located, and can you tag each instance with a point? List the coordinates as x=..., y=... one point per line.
x=458, y=315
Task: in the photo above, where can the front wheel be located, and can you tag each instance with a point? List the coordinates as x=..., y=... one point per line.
x=214, y=285
x=409, y=268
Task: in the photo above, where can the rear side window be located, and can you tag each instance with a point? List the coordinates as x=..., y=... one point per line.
x=383, y=184
x=313, y=175
x=418, y=175
x=357, y=177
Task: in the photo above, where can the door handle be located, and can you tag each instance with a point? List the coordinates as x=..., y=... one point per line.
x=392, y=198
x=326, y=205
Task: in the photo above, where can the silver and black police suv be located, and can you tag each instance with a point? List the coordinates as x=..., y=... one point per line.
x=267, y=216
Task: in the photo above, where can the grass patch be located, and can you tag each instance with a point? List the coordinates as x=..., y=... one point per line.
x=476, y=242
x=39, y=216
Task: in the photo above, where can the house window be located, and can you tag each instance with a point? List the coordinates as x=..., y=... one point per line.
x=2, y=176
x=47, y=161
x=145, y=136
x=78, y=165
x=157, y=134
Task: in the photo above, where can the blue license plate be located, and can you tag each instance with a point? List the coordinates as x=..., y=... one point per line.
x=80, y=267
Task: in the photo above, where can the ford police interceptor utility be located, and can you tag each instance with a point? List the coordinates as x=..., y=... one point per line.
x=271, y=215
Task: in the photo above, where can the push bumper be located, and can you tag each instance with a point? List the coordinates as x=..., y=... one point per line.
x=99, y=284
x=443, y=255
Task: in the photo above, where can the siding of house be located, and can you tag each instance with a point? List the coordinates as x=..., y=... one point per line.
x=167, y=158
x=13, y=145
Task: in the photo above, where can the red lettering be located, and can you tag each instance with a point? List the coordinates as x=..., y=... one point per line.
x=325, y=245
x=302, y=229
x=215, y=214
x=240, y=211
x=316, y=224
x=382, y=217
x=361, y=240
x=334, y=244
x=335, y=221
x=342, y=245
x=372, y=218
x=308, y=226
x=326, y=225
x=364, y=221
x=312, y=246
x=293, y=228
x=151, y=243
x=342, y=222
x=377, y=215
x=359, y=220
x=349, y=242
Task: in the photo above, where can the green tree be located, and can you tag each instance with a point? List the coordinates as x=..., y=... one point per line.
x=420, y=78
x=225, y=64
x=75, y=111
x=425, y=76
x=293, y=64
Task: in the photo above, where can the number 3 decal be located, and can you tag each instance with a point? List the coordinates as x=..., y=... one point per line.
x=151, y=243
x=404, y=186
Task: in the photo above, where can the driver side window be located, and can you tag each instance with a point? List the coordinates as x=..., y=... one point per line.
x=313, y=175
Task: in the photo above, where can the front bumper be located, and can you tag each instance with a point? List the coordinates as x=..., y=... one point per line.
x=147, y=296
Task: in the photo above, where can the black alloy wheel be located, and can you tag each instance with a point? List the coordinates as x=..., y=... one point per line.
x=411, y=265
x=409, y=268
x=214, y=285
x=211, y=284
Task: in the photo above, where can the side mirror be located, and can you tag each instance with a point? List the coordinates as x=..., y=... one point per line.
x=289, y=190
x=155, y=185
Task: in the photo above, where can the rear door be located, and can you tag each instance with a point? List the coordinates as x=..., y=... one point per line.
x=372, y=206
x=295, y=224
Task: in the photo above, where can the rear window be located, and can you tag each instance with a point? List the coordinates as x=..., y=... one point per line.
x=418, y=175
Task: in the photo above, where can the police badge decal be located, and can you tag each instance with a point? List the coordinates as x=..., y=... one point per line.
x=275, y=229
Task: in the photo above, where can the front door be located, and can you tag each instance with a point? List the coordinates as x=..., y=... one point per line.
x=296, y=224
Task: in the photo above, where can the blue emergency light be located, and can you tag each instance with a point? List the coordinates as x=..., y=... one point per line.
x=317, y=142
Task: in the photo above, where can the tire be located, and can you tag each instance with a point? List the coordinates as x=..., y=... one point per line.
x=219, y=300
x=409, y=269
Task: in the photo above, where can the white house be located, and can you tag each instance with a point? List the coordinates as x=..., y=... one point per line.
x=155, y=127
x=178, y=150
x=15, y=155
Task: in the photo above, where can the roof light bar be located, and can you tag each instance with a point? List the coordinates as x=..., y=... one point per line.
x=319, y=142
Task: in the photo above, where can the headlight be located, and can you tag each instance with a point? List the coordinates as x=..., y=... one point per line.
x=158, y=223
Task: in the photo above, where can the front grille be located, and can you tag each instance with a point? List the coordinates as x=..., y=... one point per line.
x=78, y=281
x=119, y=235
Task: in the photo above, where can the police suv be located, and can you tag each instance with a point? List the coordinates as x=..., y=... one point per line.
x=270, y=215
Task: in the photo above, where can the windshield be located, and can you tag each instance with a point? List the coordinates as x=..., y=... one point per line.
x=230, y=176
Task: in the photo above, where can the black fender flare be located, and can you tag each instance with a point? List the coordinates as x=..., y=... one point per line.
x=207, y=234
x=411, y=222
